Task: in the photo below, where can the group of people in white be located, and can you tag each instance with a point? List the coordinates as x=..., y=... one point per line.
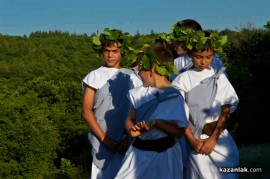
x=153, y=124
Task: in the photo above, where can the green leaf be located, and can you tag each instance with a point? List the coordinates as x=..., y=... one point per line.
x=223, y=40
x=96, y=40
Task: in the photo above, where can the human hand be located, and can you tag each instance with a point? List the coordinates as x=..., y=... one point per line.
x=123, y=147
x=111, y=144
x=197, y=145
x=208, y=146
x=137, y=129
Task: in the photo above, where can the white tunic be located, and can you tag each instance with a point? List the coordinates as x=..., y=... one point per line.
x=225, y=153
x=150, y=164
x=97, y=79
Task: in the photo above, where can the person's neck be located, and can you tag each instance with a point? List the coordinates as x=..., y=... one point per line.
x=117, y=67
x=163, y=84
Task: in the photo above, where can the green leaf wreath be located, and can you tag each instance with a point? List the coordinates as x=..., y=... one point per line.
x=123, y=41
x=114, y=35
x=149, y=60
x=191, y=39
x=164, y=38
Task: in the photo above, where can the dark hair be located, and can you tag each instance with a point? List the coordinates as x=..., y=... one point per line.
x=138, y=59
x=163, y=54
x=160, y=57
x=189, y=23
x=118, y=39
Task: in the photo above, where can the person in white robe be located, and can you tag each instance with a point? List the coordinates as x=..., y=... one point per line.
x=211, y=99
x=105, y=106
x=158, y=117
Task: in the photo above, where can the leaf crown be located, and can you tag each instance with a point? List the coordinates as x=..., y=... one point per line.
x=112, y=36
x=195, y=40
x=164, y=38
x=149, y=60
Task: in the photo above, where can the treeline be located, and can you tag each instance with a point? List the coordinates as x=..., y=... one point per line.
x=42, y=133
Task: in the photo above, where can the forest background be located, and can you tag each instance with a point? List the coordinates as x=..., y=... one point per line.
x=42, y=132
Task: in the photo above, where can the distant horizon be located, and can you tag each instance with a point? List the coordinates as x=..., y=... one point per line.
x=19, y=18
x=247, y=25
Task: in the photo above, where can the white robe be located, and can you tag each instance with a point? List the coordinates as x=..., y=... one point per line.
x=97, y=79
x=151, y=164
x=225, y=153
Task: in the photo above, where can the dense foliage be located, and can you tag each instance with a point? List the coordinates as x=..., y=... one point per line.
x=42, y=133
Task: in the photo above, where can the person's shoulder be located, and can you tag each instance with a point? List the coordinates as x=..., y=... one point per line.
x=145, y=90
x=102, y=73
x=99, y=70
x=179, y=76
x=223, y=76
x=188, y=72
x=138, y=89
x=187, y=75
x=127, y=71
x=93, y=78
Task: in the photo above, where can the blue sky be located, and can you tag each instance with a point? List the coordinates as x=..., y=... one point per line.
x=21, y=17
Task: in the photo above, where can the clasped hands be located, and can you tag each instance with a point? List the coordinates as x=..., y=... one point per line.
x=141, y=127
x=204, y=146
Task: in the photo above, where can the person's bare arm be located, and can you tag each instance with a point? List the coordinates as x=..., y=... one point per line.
x=168, y=127
x=133, y=130
x=89, y=117
x=195, y=143
x=209, y=144
x=222, y=121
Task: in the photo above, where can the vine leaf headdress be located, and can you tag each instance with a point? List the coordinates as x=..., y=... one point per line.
x=191, y=39
x=149, y=60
